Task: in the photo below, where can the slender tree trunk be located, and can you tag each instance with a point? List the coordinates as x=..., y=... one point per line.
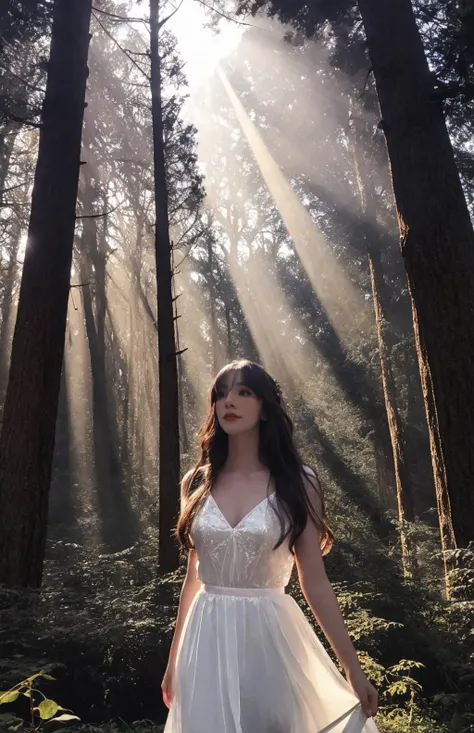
x=6, y=307
x=27, y=438
x=115, y=513
x=183, y=432
x=118, y=524
x=168, y=373
x=7, y=143
x=134, y=367
x=63, y=510
x=437, y=243
x=212, y=307
x=228, y=323
x=403, y=481
x=117, y=520
x=182, y=416
x=385, y=495
x=386, y=344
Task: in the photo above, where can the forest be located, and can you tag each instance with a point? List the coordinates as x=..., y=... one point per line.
x=187, y=183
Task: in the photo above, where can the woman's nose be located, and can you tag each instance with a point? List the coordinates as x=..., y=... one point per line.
x=229, y=400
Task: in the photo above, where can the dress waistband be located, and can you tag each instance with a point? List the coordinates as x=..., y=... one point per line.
x=221, y=590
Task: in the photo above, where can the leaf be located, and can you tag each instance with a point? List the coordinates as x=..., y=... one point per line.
x=64, y=717
x=9, y=718
x=48, y=709
x=40, y=674
x=10, y=696
x=397, y=688
x=17, y=726
x=33, y=677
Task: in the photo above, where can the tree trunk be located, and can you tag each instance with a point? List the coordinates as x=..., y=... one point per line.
x=182, y=416
x=183, y=432
x=386, y=343
x=228, y=323
x=212, y=307
x=27, y=438
x=117, y=521
x=6, y=307
x=168, y=374
x=403, y=481
x=437, y=243
x=119, y=528
x=7, y=142
x=63, y=508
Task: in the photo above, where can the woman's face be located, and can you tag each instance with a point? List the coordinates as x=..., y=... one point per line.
x=238, y=409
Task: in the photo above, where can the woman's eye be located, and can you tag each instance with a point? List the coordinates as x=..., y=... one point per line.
x=245, y=392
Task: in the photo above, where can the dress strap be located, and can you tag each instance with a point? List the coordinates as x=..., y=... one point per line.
x=224, y=591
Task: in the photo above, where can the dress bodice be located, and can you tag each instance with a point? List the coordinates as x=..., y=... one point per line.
x=241, y=556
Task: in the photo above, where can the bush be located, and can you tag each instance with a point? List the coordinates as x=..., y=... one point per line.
x=102, y=626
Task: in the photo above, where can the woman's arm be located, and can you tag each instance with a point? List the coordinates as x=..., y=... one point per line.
x=189, y=589
x=190, y=585
x=322, y=600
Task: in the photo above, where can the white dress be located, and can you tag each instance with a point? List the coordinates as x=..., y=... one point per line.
x=248, y=660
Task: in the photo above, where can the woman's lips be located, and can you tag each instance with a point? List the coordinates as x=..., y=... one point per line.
x=231, y=418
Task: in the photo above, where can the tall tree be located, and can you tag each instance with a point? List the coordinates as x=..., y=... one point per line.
x=437, y=238
x=169, y=461
x=376, y=238
x=29, y=419
x=437, y=243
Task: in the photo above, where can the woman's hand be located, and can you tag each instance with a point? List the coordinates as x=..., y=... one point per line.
x=167, y=687
x=364, y=690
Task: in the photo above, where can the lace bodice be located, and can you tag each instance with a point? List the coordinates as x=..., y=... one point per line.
x=241, y=556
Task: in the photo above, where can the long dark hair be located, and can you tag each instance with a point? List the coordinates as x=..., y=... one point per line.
x=277, y=452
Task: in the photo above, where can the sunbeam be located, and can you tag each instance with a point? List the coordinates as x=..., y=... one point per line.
x=338, y=295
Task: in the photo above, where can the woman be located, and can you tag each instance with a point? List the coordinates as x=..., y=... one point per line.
x=244, y=658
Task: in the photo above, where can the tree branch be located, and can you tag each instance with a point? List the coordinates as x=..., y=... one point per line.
x=120, y=18
x=26, y=83
x=168, y=17
x=366, y=82
x=109, y=35
x=227, y=17
x=99, y=216
x=24, y=121
x=138, y=53
x=12, y=188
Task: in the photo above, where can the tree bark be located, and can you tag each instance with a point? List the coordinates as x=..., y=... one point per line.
x=27, y=438
x=116, y=517
x=437, y=242
x=374, y=239
x=403, y=480
x=6, y=307
x=169, y=453
x=7, y=143
x=212, y=306
x=228, y=323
